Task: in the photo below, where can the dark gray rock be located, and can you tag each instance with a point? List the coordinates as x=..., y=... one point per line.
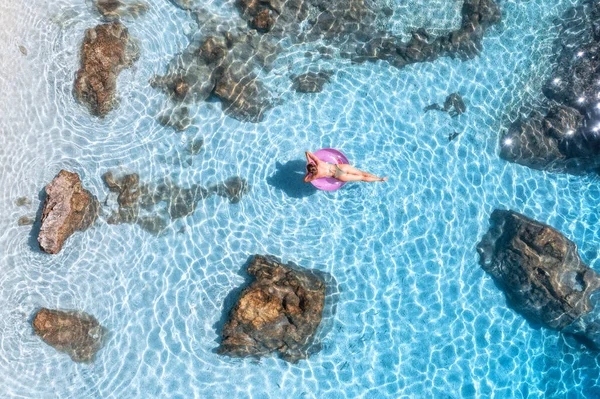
x=567, y=139
x=541, y=273
x=279, y=311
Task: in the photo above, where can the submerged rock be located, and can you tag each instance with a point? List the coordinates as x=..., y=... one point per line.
x=279, y=312
x=234, y=188
x=68, y=207
x=107, y=49
x=311, y=82
x=194, y=147
x=76, y=333
x=177, y=117
x=242, y=94
x=263, y=21
x=141, y=203
x=454, y=105
x=233, y=56
x=541, y=274
x=23, y=201
x=567, y=138
x=113, y=10
x=25, y=221
x=464, y=43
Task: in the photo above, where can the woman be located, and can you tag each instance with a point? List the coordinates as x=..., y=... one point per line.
x=316, y=169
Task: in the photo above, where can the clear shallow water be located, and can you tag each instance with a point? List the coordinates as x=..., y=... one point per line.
x=416, y=317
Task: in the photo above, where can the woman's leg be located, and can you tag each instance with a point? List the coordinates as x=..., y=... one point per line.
x=346, y=177
x=354, y=171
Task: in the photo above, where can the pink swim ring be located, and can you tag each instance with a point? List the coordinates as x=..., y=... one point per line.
x=335, y=157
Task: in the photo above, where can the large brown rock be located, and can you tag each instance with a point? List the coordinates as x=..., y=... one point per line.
x=279, y=312
x=76, y=333
x=107, y=49
x=541, y=273
x=68, y=207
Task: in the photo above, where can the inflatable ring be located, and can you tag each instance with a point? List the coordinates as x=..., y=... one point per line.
x=332, y=156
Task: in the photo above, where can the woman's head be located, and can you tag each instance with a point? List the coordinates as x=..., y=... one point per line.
x=311, y=168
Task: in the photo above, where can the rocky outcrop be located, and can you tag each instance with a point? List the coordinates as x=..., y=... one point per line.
x=68, y=207
x=567, y=138
x=113, y=10
x=311, y=82
x=229, y=59
x=541, y=274
x=464, y=43
x=107, y=49
x=279, y=312
x=76, y=333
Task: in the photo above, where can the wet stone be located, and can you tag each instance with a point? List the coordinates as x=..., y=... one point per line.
x=279, y=312
x=194, y=147
x=351, y=28
x=242, y=94
x=214, y=49
x=565, y=139
x=77, y=334
x=177, y=117
x=263, y=21
x=23, y=201
x=234, y=188
x=140, y=203
x=541, y=274
x=454, y=105
x=113, y=10
x=26, y=221
x=311, y=82
x=107, y=49
x=68, y=207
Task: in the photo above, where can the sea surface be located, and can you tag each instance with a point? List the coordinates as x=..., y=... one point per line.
x=416, y=315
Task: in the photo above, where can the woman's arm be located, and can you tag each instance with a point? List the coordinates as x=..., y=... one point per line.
x=312, y=157
x=308, y=178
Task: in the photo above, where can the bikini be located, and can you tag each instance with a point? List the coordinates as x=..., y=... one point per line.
x=338, y=172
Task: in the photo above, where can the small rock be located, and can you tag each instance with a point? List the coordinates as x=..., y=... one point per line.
x=22, y=201
x=311, y=82
x=68, y=207
x=263, y=21
x=113, y=10
x=234, y=188
x=25, y=221
x=195, y=146
x=76, y=333
x=454, y=105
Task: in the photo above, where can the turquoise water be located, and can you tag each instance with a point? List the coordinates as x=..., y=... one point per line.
x=416, y=316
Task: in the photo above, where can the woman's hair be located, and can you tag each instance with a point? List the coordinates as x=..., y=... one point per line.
x=311, y=168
